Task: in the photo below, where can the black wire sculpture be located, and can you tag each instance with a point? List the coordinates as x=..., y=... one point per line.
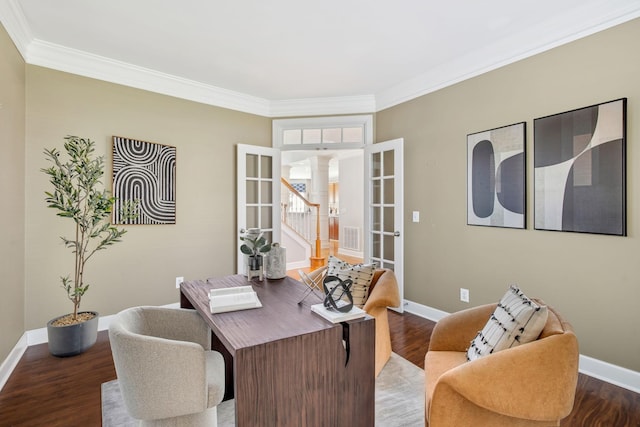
x=337, y=294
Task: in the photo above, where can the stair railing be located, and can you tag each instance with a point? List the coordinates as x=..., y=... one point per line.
x=297, y=214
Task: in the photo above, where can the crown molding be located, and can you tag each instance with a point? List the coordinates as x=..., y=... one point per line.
x=526, y=43
x=74, y=61
x=519, y=46
x=323, y=106
x=15, y=23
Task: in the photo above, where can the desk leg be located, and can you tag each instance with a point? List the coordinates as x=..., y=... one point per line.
x=217, y=345
x=184, y=302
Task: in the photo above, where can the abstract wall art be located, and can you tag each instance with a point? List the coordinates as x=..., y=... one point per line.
x=496, y=177
x=580, y=170
x=144, y=172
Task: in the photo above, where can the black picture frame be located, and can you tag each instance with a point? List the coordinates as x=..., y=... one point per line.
x=496, y=178
x=144, y=172
x=580, y=170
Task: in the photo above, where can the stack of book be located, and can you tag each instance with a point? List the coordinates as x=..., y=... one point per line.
x=232, y=299
x=337, y=316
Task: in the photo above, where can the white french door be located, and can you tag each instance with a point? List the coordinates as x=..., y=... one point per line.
x=258, y=192
x=384, y=208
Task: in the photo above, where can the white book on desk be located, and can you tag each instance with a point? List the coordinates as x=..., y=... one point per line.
x=337, y=316
x=231, y=299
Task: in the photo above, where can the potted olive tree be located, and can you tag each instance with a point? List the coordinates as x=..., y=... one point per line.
x=78, y=194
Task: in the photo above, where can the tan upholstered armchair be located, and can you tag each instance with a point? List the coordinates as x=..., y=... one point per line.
x=529, y=385
x=166, y=372
x=383, y=293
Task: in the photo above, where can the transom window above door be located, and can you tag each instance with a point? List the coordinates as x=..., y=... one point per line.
x=323, y=133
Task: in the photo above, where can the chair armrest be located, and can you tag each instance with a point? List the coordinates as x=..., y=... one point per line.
x=456, y=331
x=534, y=381
x=385, y=293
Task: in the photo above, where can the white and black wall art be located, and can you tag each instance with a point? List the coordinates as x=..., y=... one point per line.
x=580, y=171
x=144, y=172
x=496, y=177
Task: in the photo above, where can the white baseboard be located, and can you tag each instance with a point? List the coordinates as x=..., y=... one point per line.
x=425, y=311
x=351, y=253
x=616, y=375
x=613, y=374
x=12, y=360
x=298, y=264
x=604, y=371
x=39, y=336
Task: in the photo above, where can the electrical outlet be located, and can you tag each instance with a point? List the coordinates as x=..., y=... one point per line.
x=178, y=281
x=464, y=295
x=416, y=216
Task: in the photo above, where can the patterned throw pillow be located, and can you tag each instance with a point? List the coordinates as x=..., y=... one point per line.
x=516, y=320
x=360, y=274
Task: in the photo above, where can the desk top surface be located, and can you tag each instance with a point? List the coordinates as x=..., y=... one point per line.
x=280, y=316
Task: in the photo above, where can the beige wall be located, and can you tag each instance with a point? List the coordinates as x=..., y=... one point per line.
x=12, y=128
x=593, y=280
x=142, y=269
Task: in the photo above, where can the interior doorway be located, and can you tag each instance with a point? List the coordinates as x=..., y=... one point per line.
x=340, y=195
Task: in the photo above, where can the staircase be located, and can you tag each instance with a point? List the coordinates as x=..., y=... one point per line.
x=303, y=218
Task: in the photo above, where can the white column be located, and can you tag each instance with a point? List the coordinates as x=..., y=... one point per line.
x=319, y=193
x=285, y=171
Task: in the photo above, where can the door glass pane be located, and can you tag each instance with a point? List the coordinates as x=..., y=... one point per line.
x=311, y=136
x=388, y=247
x=252, y=192
x=292, y=136
x=331, y=136
x=376, y=218
x=388, y=191
x=269, y=236
x=388, y=163
x=252, y=217
x=375, y=246
x=376, y=190
x=266, y=217
x=389, y=219
x=389, y=265
x=265, y=192
x=352, y=134
x=252, y=166
x=265, y=167
x=375, y=165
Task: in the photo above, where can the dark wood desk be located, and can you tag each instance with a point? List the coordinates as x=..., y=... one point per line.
x=286, y=365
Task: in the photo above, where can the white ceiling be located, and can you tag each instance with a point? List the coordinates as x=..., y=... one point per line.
x=287, y=57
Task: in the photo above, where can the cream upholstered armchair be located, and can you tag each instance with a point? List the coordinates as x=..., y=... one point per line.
x=532, y=384
x=166, y=372
x=383, y=293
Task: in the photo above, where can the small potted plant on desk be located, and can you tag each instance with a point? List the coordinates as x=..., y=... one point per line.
x=254, y=246
x=76, y=196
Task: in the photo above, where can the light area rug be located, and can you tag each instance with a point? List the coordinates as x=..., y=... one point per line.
x=399, y=399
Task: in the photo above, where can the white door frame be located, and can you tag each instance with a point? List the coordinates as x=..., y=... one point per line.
x=241, y=180
x=397, y=234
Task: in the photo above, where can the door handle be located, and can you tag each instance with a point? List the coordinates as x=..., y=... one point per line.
x=396, y=234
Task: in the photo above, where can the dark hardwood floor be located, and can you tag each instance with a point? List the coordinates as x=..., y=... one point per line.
x=48, y=391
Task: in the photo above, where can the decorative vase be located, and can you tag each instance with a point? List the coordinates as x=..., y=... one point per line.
x=70, y=340
x=255, y=267
x=276, y=262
